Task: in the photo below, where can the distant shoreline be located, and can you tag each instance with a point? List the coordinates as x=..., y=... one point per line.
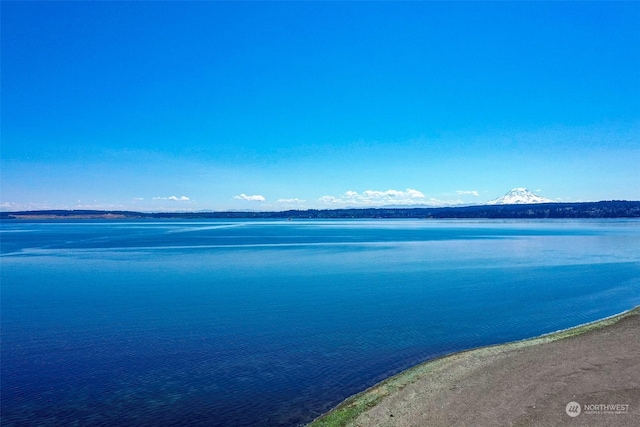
x=425, y=393
x=586, y=210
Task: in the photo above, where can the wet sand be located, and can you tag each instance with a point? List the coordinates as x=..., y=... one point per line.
x=526, y=383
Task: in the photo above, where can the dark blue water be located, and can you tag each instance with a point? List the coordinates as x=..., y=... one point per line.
x=272, y=323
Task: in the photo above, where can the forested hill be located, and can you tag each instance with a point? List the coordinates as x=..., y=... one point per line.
x=605, y=209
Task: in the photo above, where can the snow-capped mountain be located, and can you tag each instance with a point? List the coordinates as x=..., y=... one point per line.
x=519, y=196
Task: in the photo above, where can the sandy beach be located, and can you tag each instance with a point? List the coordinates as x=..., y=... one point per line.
x=585, y=376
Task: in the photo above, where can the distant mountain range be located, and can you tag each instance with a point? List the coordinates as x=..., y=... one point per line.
x=604, y=209
x=517, y=203
x=519, y=196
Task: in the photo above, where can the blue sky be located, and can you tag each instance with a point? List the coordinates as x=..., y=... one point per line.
x=275, y=105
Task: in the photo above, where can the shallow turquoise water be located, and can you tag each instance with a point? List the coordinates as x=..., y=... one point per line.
x=273, y=322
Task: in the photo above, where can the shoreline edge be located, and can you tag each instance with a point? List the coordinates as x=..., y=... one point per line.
x=352, y=407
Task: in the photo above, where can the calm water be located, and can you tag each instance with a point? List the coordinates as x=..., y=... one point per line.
x=271, y=323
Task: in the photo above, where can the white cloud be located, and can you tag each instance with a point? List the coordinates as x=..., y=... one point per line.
x=255, y=198
x=468, y=192
x=331, y=200
x=174, y=198
x=377, y=198
x=12, y=206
